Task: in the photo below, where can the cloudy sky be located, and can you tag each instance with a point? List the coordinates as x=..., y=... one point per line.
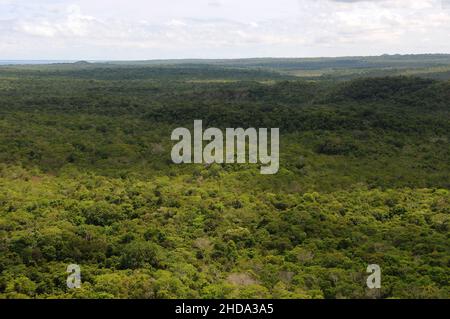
x=151, y=29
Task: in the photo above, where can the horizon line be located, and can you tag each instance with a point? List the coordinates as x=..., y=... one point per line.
x=212, y=59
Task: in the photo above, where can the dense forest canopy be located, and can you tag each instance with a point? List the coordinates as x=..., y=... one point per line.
x=86, y=178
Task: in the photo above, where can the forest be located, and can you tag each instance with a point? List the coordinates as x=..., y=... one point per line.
x=86, y=178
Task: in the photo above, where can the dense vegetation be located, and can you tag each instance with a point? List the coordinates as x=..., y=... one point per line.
x=86, y=178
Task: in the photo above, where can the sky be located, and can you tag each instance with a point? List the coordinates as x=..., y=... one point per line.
x=172, y=29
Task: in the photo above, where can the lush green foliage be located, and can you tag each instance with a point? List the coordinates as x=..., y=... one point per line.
x=86, y=178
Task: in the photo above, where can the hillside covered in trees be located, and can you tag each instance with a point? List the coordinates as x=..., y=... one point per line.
x=86, y=178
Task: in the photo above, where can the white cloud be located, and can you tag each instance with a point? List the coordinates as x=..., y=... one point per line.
x=71, y=24
x=142, y=29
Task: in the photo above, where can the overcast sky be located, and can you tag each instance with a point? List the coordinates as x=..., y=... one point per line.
x=150, y=29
